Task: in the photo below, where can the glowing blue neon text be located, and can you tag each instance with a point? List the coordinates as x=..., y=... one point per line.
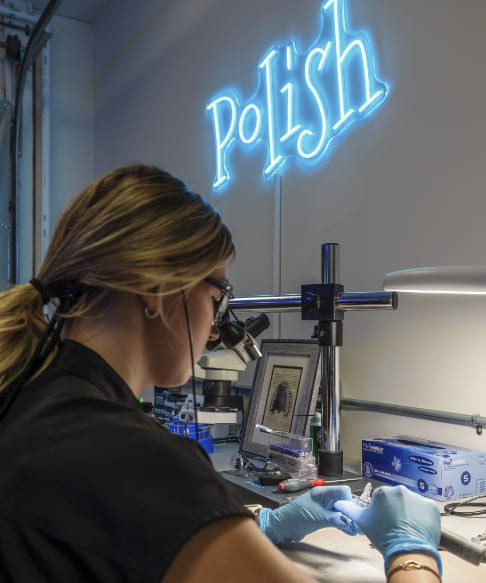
x=303, y=101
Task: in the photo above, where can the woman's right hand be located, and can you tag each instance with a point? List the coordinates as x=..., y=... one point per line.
x=397, y=521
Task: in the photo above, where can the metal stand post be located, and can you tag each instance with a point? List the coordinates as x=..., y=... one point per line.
x=319, y=303
x=330, y=462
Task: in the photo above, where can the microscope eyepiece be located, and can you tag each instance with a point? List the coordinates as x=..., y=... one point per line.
x=256, y=325
x=231, y=332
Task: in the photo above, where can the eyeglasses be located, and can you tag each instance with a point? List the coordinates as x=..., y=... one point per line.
x=220, y=304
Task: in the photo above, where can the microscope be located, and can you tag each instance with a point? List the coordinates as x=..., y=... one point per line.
x=220, y=366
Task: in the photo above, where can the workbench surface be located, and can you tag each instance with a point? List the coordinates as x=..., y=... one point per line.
x=332, y=556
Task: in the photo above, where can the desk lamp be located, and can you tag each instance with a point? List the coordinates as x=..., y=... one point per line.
x=447, y=279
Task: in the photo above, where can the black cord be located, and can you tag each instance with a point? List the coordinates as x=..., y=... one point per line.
x=47, y=341
x=237, y=320
x=454, y=508
x=189, y=334
x=229, y=439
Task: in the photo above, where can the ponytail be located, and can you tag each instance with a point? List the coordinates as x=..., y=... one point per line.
x=22, y=324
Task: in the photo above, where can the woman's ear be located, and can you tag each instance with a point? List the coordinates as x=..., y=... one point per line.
x=152, y=300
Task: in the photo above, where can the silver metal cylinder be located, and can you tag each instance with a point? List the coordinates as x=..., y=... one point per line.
x=330, y=395
x=282, y=303
x=471, y=420
x=330, y=419
x=330, y=264
x=345, y=301
x=367, y=300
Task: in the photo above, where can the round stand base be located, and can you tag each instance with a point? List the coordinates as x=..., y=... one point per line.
x=330, y=463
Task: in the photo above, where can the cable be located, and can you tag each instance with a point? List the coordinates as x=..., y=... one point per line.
x=454, y=508
x=193, y=372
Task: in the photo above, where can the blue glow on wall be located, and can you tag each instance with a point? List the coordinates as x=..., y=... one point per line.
x=304, y=101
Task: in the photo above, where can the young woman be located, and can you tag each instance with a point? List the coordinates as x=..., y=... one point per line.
x=92, y=489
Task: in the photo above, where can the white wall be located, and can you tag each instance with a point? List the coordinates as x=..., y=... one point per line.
x=72, y=111
x=404, y=189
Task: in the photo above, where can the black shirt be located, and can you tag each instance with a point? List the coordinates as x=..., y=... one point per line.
x=91, y=488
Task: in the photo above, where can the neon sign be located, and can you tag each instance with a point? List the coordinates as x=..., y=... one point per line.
x=304, y=101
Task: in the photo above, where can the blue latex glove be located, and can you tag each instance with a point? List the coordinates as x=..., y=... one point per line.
x=397, y=521
x=305, y=514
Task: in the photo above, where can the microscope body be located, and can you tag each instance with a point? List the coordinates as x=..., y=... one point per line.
x=219, y=368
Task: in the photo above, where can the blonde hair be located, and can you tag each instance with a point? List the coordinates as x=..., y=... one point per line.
x=134, y=229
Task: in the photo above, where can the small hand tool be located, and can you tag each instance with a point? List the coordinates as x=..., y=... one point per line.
x=296, y=484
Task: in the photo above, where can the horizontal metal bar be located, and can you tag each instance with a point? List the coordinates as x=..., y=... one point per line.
x=345, y=301
x=402, y=410
x=367, y=300
x=282, y=303
x=26, y=29
x=12, y=14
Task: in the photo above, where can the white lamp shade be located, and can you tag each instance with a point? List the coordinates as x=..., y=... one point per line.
x=452, y=279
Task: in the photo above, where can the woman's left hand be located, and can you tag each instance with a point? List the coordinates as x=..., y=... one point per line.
x=305, y=514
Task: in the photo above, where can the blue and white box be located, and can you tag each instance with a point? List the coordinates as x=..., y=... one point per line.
x=436, y=470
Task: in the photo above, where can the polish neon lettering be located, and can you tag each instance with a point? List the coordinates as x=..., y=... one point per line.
x=303, y=101
x=319, y=104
